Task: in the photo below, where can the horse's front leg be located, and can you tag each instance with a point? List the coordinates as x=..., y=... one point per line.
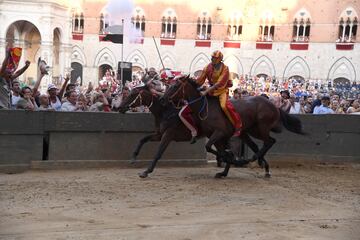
x=225, y=172
x=151, y=137
x=166, y=138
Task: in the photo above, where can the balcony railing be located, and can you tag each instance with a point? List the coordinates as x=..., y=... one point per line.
x=168, y=35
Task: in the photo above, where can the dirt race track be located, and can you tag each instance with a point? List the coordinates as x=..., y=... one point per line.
x=298, y=202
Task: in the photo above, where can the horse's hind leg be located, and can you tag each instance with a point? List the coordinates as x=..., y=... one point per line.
x=252, y=145
x=151, y=137
x=220, y=147
x=267, y=168
x=268, y=143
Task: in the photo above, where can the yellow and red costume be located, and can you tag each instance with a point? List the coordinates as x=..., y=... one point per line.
x=217, y=74
x=220, y=79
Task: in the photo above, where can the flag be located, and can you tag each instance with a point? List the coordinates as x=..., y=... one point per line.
x=114, y=34
x=14, y=59
x=114, y=38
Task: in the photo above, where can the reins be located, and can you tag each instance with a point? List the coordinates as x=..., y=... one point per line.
x=139, y=96
x=203, y=98
x=178, y=105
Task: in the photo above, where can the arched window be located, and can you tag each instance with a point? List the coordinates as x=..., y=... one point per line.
x=104, y=23
x=301, y=26
x=168, y=24
x=234, y=29
x=203, y=29
x=138, y=20
x=348, y=26
x=266, y=29
x=78, y=23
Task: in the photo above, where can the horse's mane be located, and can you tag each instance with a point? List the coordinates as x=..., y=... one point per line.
x=192, y=81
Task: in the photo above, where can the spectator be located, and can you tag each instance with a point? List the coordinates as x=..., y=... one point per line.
x=335, y=106
x=324, y=107
x=264, y=95
x=71, y=104
x=44, y=103
x=285, y=103
x=355, y=107
x=15, y=96
x=100, y=104
x=307, y=105
x=296, y=107
x=244, y=93
x=7, y=77
x=55, y=97
x=42, y=73
x=23, y=104
x=316, y=102
x=27, y=94
x=236, y=94
x=82, y=103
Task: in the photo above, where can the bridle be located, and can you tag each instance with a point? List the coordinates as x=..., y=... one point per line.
x=178, y=105
x=181, y=88
x=140, y=97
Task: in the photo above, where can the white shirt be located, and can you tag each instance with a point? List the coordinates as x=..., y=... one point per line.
x=68, y=107
x=56, y=105
x=296, y=108
x=14, y=101
x=323, y=110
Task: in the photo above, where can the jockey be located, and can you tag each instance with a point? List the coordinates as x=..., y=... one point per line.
x=217, y=74
x=153, y=81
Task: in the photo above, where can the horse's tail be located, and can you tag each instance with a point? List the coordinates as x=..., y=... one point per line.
x=291, y=123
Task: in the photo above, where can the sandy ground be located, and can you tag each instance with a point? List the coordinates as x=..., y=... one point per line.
x=298, y=202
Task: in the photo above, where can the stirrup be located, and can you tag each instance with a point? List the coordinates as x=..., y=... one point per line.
x=193, y=140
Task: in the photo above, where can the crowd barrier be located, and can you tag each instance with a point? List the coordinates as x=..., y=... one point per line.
x=54, y=139
x=35, y=139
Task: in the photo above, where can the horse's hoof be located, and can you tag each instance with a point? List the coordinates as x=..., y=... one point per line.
x=143, y=175
x=261, y=164
x=267, y=175
x=133, y=161
x=219, y=175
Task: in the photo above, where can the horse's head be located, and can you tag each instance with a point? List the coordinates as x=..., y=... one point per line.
x=139, y=96
x=185, y=88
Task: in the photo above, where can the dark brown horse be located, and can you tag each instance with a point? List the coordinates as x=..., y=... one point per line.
x=259, y=117
x=168, y=126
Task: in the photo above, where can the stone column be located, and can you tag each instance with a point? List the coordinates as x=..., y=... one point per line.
x=350, y=33
x=297, y=32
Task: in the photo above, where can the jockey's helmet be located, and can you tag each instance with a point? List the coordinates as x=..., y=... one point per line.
x=217, y=56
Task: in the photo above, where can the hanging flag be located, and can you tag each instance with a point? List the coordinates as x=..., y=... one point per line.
x=114, y=34
x=14, y=59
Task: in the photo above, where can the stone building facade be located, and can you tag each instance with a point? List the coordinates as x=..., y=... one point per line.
x=305, y=39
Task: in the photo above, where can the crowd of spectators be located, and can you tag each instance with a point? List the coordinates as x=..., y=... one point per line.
x=293, y=95
x=302, y=97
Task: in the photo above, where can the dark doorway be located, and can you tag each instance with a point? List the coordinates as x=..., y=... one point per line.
x=77, y=73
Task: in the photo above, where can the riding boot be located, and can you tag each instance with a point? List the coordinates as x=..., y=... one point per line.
x=193, y=140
